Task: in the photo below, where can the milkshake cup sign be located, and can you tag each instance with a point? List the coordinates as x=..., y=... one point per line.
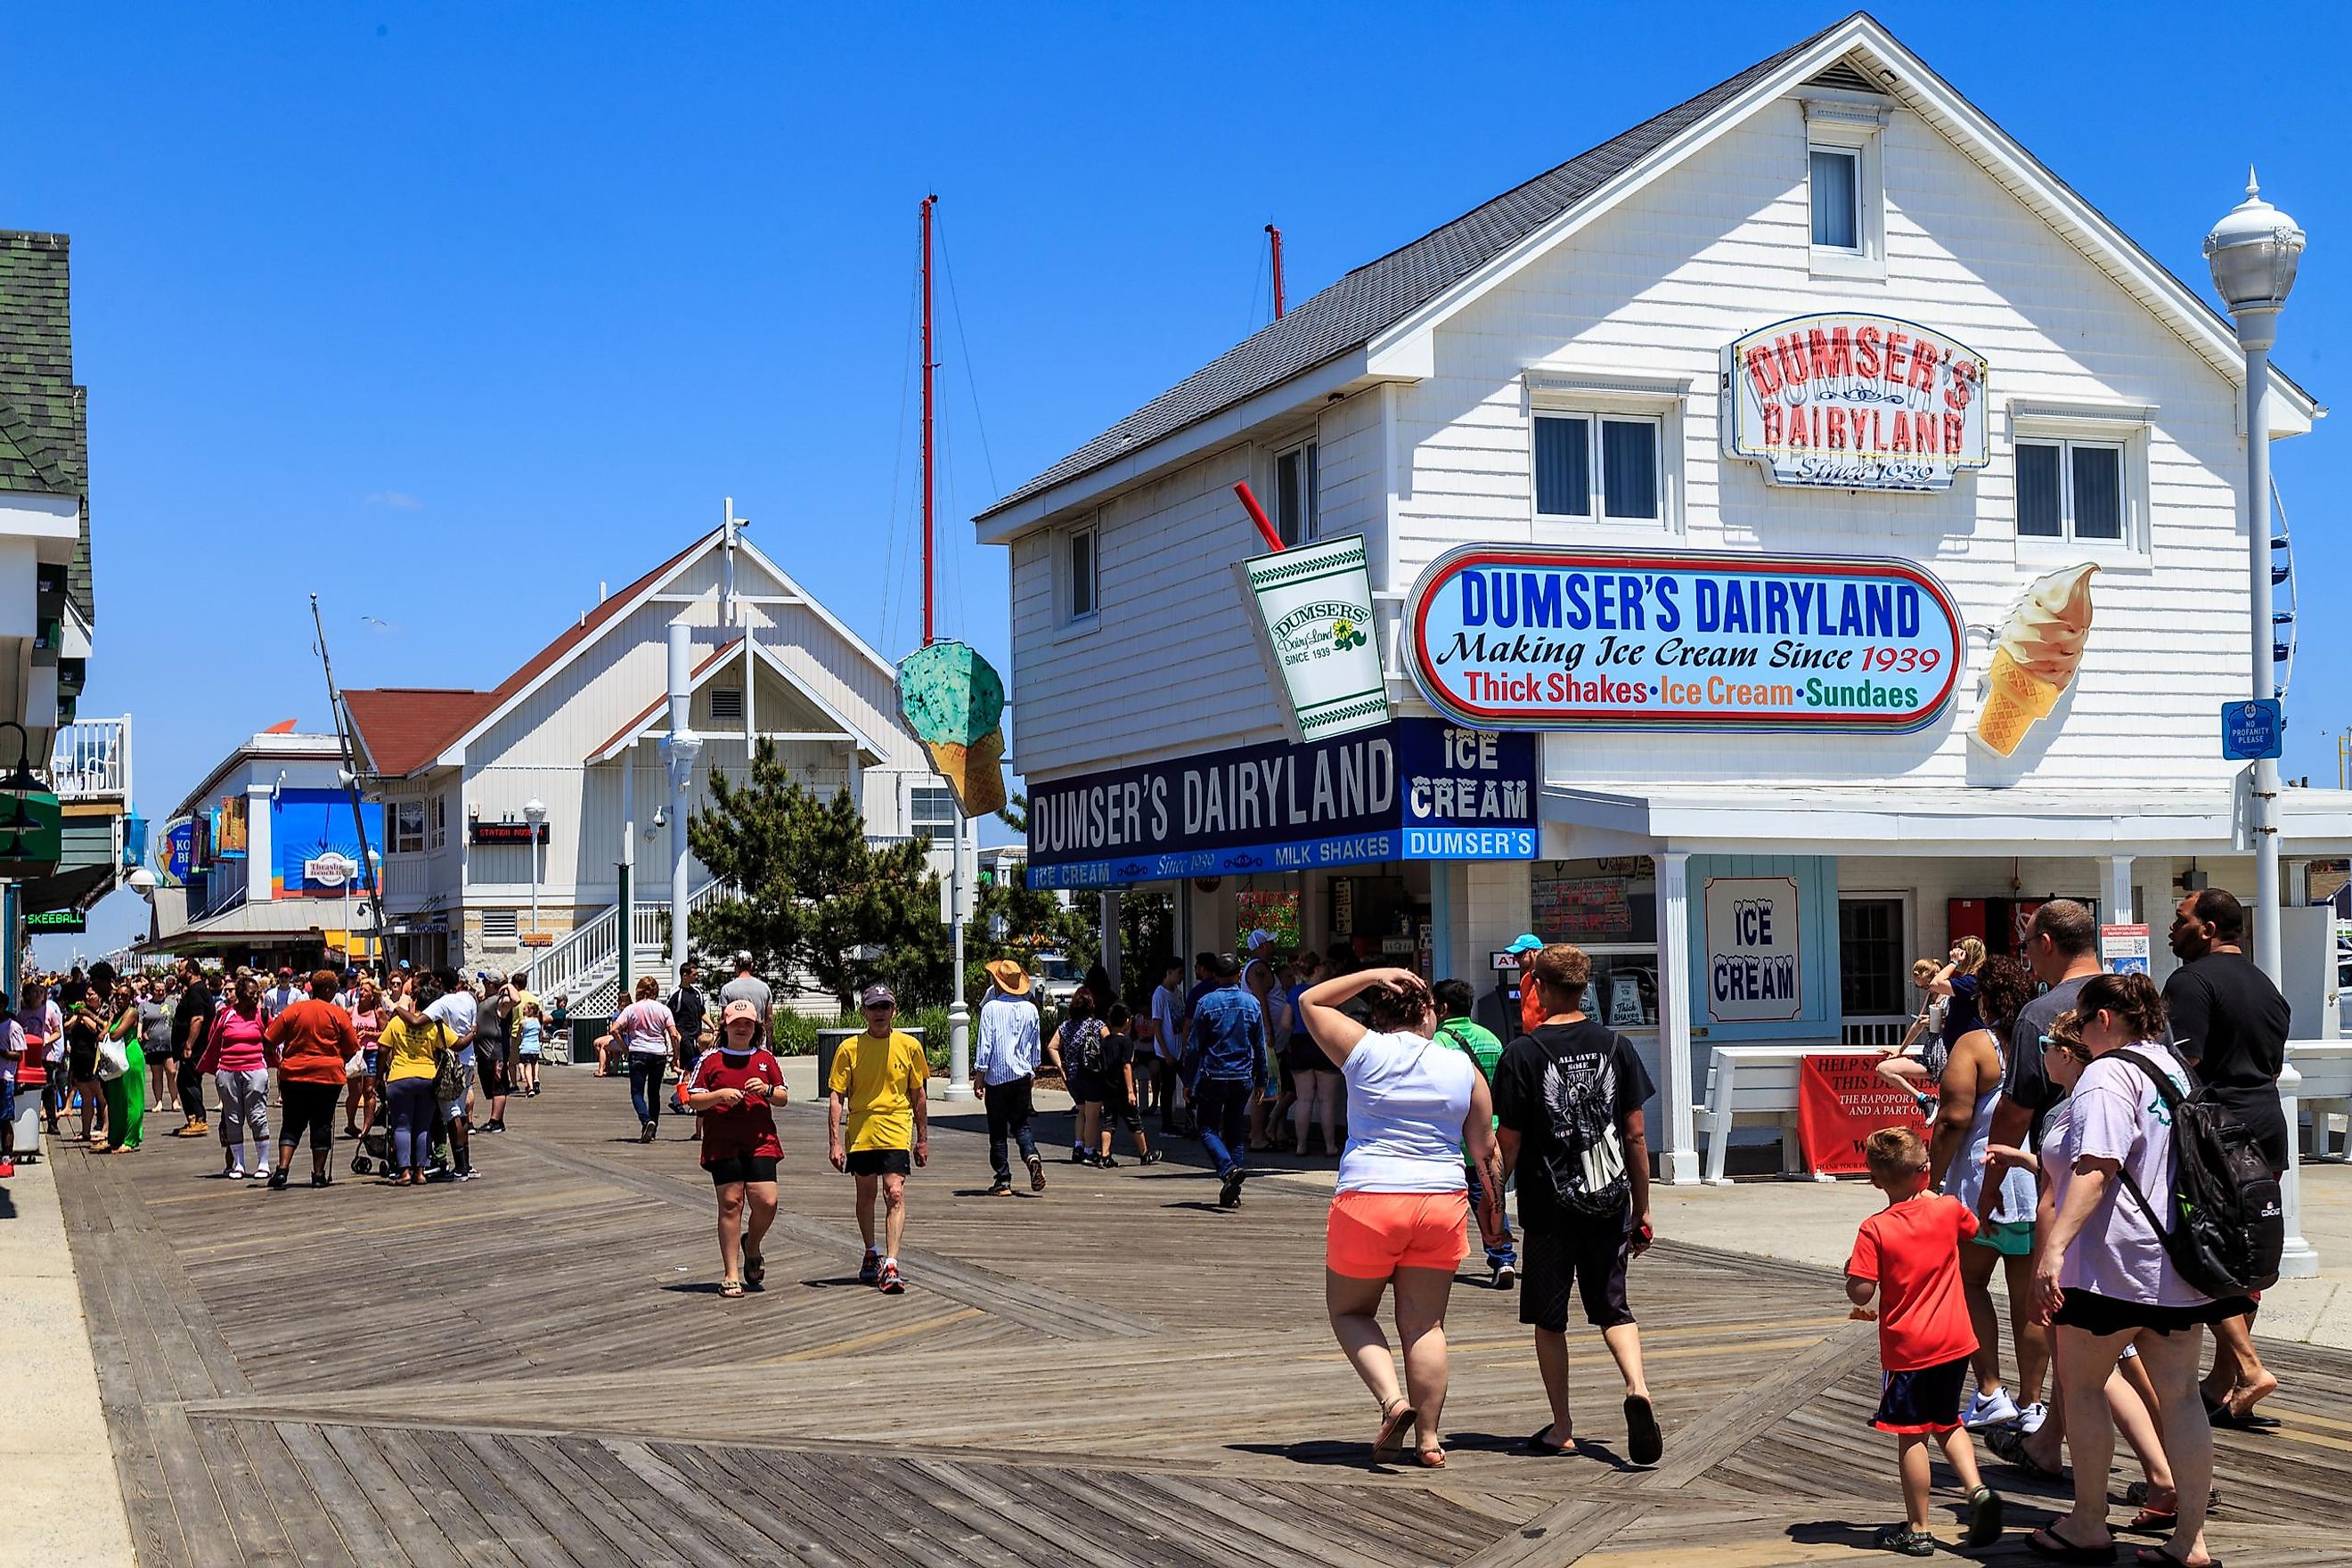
x=1311, y=611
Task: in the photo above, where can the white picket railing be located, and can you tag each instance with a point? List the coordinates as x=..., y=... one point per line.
x=91, y=759
x=588, y=960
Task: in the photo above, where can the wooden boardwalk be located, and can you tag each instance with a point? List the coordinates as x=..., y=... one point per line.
x=533, y=1370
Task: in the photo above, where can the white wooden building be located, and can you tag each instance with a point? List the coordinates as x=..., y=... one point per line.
x=579, y=726
x=1590, y=313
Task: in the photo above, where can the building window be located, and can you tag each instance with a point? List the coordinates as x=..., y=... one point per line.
x=932, y=811
x=1873, y=973
x=727, y=705
x=1295, y=492
x=1837, y=198
x=2070, y=489
x=1595, y=463
x=1082, y=575
x=499, y=925
x=407, y=826
x=439, y=805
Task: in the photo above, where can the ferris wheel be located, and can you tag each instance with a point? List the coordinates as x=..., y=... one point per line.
x=2283, y=605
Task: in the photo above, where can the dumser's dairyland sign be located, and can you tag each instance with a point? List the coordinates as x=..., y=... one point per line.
x=1855, y=401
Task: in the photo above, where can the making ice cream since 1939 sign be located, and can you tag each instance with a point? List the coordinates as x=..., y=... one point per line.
x=1855, y=401
x=1547, y=637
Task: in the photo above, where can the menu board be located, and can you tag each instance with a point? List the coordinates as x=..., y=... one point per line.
x=1583, y=909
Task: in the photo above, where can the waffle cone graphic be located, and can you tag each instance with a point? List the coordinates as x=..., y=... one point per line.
x=2036, y=659
x=974, y=772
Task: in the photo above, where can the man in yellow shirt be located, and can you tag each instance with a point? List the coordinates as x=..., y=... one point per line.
x=877, y=1088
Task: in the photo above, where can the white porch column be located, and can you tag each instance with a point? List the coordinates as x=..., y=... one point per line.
x=1675, y=1095
x=1109, y=905
x=2116, y=890
x=257, y=851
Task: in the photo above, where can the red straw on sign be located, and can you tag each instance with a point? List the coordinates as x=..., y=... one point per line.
x=1257, y=515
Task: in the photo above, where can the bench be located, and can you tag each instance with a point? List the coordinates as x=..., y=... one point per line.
x=2326, y=1093
x=1759, y=1083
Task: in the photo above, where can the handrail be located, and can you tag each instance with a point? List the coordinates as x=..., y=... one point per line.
x=91, y=757
x=589, y=948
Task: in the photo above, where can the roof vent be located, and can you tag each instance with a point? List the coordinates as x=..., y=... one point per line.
x=1844, y=74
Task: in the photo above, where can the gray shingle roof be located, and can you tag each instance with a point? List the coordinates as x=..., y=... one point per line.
x=1356, y=309
x=44, y=422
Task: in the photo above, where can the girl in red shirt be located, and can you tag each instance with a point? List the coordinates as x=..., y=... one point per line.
x=734, y=1090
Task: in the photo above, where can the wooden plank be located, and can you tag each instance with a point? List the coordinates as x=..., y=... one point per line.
x=363, y=1531
x=386, y=1489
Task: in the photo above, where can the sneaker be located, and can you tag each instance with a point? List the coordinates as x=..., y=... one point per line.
x=1105, y=1163
x=467, y=1173
x=277, y=1180
x=1999, y=1410
x=1901, y=1538
x=1229, y=1191
x=1506, y=1276
x=889, y=1280
x=2030, y=1418
x=1078, y=1155
x=645, y=1133
x=1152, y=1157
x=1036, y=1174
x=871, y=1269
x=1000, y=1189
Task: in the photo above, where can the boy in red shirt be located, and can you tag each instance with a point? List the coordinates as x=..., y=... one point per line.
x=1908, y=1256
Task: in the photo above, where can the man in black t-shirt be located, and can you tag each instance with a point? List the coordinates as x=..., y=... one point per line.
x=190, y=1020
x=1568, y=1100
x=2230, y=1023
x=691, y=1009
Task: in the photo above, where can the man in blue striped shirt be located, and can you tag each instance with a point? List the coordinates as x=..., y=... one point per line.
x=1004, y=1061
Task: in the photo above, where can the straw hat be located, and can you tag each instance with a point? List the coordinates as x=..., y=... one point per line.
x=1008, y=976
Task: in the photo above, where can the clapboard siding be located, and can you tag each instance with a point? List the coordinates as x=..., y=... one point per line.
x=1658, y=286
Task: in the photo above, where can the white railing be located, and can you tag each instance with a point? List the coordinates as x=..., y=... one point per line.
x=90, y=758
x=591, y=950
x=1885, y=1033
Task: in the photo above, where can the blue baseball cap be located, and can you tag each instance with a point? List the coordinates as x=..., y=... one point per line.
x=1527, y=942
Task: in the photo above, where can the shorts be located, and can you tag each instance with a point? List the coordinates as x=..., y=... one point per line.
x=2102, y=1316
x=2010, y=1237
x=453, y=1103
x=495, y=1080
x=1589, y=1253
x=881, y=1163
x=728, y=1169
x=1370, y=1235
x=1086, y=1088
x=83, y=1061
x=1926, y=1400
x=368, y=1061
x=307, y=1105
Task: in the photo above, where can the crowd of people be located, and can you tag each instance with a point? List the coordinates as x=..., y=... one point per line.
x=412, y=1059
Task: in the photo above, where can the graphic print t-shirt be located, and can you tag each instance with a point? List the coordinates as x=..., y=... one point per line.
x=1566, y=1089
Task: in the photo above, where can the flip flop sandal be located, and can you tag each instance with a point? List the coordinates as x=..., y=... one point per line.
x=2047, y=1542
x=2151, y=1522
x=1430, y=1459
x=733, y=1290
x=1394, y=1428
x=1536, y=1444
x=2135, y=1494
x=755, y=1270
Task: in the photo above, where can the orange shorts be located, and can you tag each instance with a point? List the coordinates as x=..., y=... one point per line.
x=1370, y=1235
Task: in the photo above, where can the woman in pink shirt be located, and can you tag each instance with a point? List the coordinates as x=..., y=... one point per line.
x=368, y=1015
x=239, y=1059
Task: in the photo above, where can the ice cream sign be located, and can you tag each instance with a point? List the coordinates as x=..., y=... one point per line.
x=2035, y=658
x=1855, y=401
x=1537, y=637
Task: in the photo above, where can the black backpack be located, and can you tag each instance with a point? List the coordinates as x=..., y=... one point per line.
x=2229, y=1218
x=1087, y=1045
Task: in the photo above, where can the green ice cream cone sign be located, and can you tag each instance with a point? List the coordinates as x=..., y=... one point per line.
x=953, y=701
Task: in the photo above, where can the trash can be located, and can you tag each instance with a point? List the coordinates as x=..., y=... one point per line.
x=583, y=1028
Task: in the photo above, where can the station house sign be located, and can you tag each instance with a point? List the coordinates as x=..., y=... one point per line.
x=1547, y=637
x=1855, y=401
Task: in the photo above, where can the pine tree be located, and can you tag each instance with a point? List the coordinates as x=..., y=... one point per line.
x=815, y=899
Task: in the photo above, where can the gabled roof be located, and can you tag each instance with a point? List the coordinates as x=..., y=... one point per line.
x=1348, y=313
x=1401, y=291
x=44, y=416
x=404, y=729
x=644, y=721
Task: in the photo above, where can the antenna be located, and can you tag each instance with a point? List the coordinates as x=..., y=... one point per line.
x=1276, y=235
x=929, y=365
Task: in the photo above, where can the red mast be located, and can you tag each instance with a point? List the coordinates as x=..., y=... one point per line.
x=1277, y=235
x=928, y=367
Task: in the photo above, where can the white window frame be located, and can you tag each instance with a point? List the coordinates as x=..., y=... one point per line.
x=404, y=843
x=2066, y=426
x=1848, y=123
x=1596, y=396
x=1311, y=449
x=936, y=827
x=437, y=822
x=1070, y=617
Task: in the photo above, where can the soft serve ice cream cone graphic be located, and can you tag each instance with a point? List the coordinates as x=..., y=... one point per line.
x=2035, y=660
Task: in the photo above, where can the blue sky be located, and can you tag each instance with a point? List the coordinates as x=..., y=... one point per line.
x=449, y=311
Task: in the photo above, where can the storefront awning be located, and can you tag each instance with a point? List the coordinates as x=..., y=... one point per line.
x=1827, y=820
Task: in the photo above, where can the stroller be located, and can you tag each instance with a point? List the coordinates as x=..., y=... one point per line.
x=374, y=1154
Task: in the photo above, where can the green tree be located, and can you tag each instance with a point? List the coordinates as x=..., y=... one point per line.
x=814, y=897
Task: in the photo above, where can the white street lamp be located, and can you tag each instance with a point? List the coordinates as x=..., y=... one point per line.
x=534, y=812
x=2254, y=252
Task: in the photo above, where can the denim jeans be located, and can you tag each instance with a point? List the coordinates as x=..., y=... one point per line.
x=1504, y=1250
x=646, y=1070
x=408, y=1106
x=1009, y=1110
x=1221, y=1106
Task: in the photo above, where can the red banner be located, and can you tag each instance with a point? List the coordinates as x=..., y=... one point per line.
x=1840, y=1102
